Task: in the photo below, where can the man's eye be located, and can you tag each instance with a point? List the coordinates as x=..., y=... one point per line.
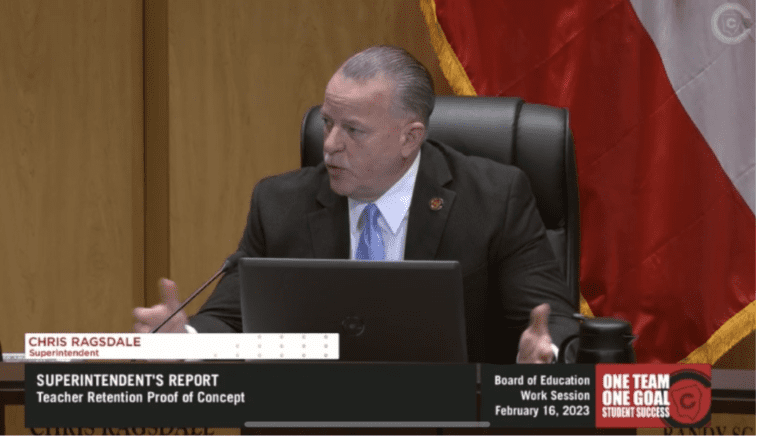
x=351, y=129
x=327, y=124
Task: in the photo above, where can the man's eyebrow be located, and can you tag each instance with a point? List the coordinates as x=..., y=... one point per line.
x=346, y=120
x=351, y=120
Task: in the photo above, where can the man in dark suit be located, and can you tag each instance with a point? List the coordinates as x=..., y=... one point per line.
x=384, y=192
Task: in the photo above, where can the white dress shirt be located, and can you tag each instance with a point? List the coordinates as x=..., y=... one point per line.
x=394, y=206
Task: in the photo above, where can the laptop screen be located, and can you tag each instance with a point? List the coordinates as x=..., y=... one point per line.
x=407, y=311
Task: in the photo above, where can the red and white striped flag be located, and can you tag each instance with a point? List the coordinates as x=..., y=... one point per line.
x=661, y=96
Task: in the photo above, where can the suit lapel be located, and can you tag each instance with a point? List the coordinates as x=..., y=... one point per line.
x=329, y=224
x=428, y=216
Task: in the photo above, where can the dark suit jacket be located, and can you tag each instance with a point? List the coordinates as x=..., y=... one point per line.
x=488, y=222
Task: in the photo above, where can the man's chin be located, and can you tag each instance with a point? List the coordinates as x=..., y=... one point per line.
x=343, y=188
x=338, y=187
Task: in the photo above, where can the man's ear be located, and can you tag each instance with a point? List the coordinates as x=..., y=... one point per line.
x=413, y=135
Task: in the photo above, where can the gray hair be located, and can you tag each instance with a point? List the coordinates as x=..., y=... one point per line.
x=414, y=86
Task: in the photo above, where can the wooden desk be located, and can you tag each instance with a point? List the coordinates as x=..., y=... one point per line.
x=11, y=388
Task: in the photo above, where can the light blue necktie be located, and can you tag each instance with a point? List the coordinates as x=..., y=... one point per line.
x=370, y=245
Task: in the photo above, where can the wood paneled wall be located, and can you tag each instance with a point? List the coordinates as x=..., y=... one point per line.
x=132, y=132
x=71, y=156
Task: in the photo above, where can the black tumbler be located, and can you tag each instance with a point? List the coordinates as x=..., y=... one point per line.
x=601, y=340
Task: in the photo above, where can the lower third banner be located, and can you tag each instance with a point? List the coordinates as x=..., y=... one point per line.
x=336, y=394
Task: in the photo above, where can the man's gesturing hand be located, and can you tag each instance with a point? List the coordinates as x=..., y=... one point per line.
x=149, y=318
x=536, y=346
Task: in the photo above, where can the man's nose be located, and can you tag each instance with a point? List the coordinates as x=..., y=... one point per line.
x=332, y=140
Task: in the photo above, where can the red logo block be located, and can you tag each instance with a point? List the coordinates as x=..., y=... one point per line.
x=653, y=395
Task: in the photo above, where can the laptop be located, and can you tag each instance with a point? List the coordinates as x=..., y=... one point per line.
x=406, y=311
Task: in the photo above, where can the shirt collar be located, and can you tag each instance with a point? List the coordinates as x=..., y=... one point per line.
x=393, y=204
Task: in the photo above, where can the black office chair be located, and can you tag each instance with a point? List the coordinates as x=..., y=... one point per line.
x=535, y=138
